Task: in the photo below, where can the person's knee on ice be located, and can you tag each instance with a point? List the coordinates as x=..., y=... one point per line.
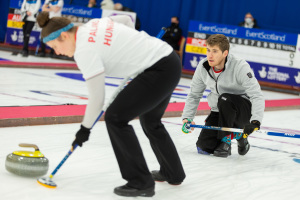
x=207, y=140
x=206, y=146
x=201, y=151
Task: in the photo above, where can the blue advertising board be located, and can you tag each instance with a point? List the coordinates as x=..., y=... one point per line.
x=273, y=56
x=14, y=33
x=77, y=14
x=241, y=32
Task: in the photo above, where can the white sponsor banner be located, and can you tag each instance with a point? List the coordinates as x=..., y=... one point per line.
x=108, y=13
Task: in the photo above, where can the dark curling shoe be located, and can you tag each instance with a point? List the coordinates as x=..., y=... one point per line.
x=25, y=53
x=157, y=176
x=41, y=54
x=223, y=150
x=133, y=192
x=243, y=146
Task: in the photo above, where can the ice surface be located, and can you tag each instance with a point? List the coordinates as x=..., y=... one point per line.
x=266, y=172
x=27, y=87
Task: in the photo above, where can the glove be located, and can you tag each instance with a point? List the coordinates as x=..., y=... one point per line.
x=81, y=136
x=186, y=126
x=250, y=128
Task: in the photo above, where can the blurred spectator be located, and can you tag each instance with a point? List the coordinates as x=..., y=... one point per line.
x=54, y=7
x=29, y=10
x=173, y=33
x=249, y=21
x=92, y=4
x=107, y=5
x=120, y=7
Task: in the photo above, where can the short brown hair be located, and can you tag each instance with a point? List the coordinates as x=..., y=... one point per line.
x=220, y=40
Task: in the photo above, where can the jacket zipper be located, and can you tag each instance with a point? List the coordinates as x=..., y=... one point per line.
x=217, y=82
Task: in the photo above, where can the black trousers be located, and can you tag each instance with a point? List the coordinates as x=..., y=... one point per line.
x=234, y=112
x=27, y=28
x=146, y=96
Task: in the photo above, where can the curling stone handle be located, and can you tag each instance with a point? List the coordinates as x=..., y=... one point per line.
x=29, y=145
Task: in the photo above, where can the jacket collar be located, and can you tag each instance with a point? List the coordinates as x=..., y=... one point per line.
x=207, y=67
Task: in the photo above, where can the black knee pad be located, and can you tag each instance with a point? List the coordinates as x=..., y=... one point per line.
x=205, y=147
x=208, y=140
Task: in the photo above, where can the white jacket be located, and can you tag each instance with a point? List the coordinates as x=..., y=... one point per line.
x=236, y=78
x=59, y=3
x=32, y=6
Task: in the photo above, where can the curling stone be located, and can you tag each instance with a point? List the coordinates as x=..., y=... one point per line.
x=27, y=163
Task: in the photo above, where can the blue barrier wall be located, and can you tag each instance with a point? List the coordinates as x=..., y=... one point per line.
x=4, y=5
x=279, y=15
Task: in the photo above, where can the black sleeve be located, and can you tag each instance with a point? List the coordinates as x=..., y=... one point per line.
x=177, y=35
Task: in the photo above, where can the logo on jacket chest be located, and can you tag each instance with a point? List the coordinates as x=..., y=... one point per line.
x=249, y=75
